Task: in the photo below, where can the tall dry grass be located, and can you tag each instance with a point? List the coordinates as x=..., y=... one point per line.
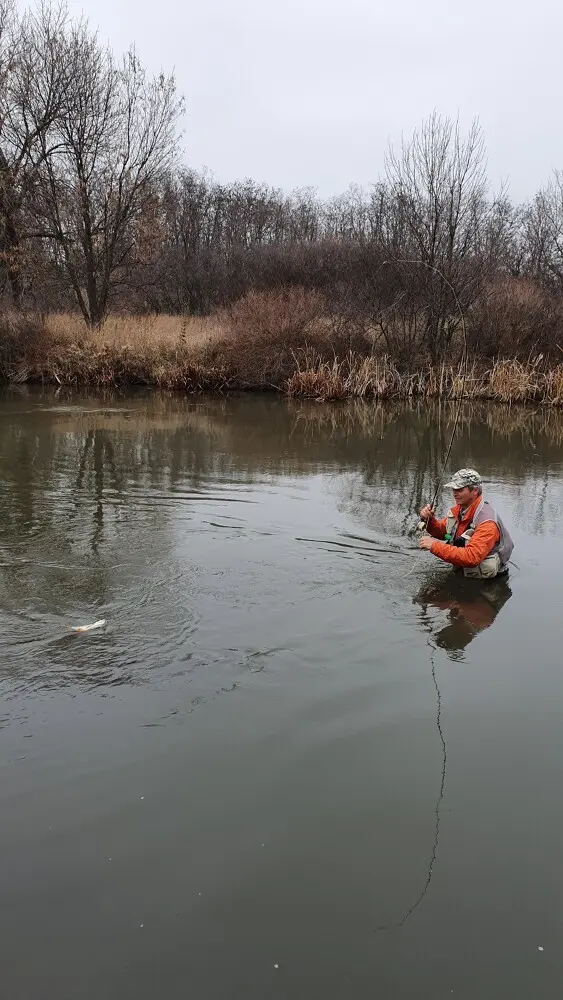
x=161, y=351
x=378, y=378
x=285, y=340
x=136, y=332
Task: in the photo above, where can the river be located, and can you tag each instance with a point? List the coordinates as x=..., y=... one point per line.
x=300, y=760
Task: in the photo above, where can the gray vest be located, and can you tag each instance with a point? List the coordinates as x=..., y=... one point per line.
x=486, y=512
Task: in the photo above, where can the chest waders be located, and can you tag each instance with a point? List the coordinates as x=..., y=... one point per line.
x=496, y=563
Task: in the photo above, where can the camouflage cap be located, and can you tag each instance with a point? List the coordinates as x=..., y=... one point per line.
x=465, y=477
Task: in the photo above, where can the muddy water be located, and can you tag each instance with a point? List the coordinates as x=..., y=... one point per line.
x=300, y=760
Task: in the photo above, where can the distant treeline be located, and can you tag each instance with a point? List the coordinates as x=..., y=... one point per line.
x=98, y=213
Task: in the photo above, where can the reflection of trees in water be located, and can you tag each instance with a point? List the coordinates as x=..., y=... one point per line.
x=99, y=447
x=392, y=456
x=400, y=471
x=85, y=523
x=91, y=498
x=72, y=479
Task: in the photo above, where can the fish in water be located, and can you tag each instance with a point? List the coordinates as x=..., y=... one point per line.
x=88, y=628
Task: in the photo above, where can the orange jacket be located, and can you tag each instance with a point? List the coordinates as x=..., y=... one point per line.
x=479, y=546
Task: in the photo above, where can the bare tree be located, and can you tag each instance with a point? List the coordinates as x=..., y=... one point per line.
x=543, y=234
x=34, y=91
x=438, y=185
x=103, y=162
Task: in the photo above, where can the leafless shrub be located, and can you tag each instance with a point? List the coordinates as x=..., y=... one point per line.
x=515, y=318
x=263, y=332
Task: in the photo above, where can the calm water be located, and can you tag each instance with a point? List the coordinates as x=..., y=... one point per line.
x=300, y=761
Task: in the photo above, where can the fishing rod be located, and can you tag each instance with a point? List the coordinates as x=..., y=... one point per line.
x=423, y=524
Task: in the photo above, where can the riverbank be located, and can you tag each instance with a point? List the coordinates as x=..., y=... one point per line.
x=227, y=353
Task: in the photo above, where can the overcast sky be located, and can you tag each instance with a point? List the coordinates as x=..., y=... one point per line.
x=309, y=92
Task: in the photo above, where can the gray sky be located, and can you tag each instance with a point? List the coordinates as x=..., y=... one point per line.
x=309, y=92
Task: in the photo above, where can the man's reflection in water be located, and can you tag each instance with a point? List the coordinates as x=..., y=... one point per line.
x=472, y=606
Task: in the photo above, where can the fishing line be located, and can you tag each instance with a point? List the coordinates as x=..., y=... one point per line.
x=422, y=526
x=437, y=808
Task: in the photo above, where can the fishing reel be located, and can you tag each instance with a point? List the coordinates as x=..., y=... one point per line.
x=417, y=529
x=459, y=542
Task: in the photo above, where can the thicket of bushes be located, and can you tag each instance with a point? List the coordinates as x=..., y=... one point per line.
x=285, y=341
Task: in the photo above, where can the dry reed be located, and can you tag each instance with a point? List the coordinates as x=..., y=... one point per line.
x=506, y=381
x=283, y=341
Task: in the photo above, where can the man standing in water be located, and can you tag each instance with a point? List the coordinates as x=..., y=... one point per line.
x=472, y=537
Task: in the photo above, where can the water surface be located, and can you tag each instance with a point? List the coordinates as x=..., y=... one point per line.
x=300, y=760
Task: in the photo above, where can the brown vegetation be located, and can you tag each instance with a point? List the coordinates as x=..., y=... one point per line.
x=165, y=352
x=378, y=378
x=286, y=341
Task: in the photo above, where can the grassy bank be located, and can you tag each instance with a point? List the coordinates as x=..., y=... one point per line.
x=283, y=344
x=503, y=381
